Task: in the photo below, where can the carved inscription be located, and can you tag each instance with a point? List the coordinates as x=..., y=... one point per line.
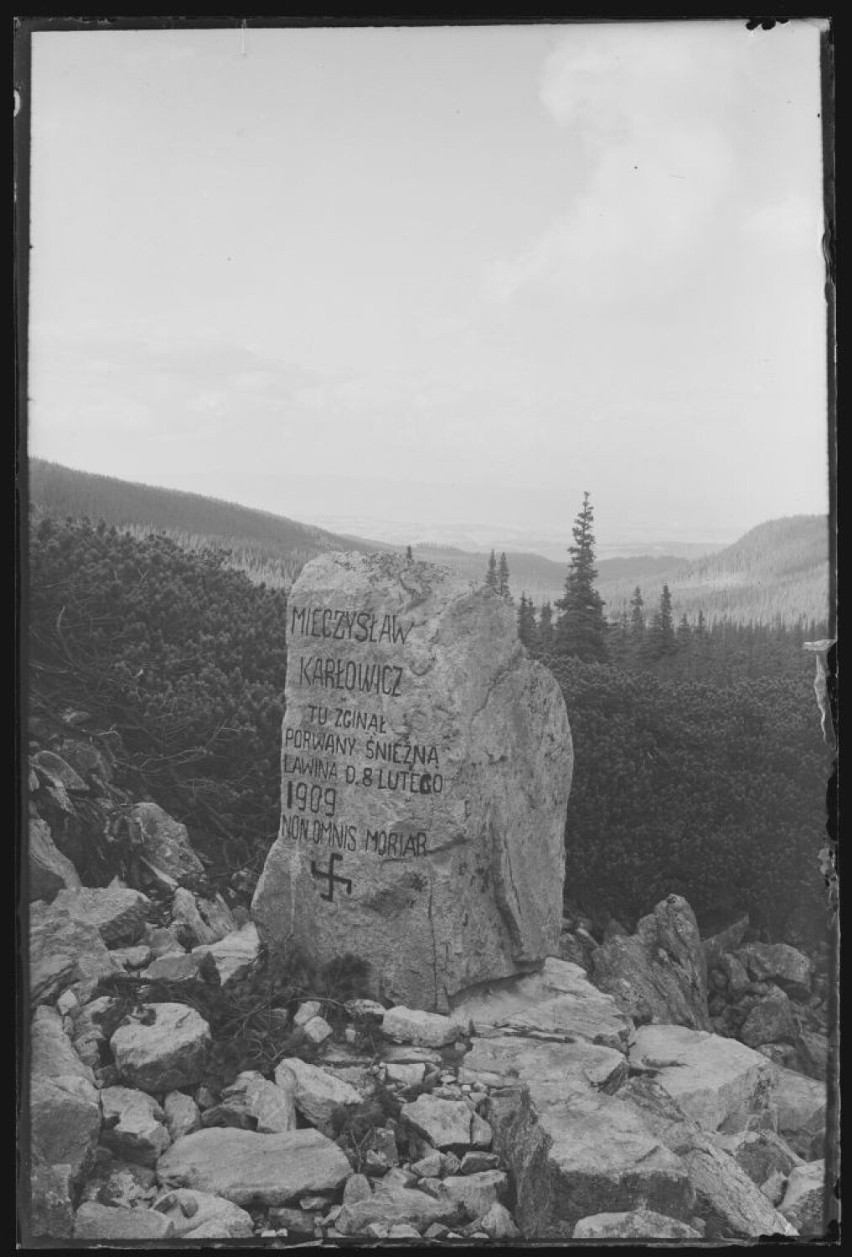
x=347, y=746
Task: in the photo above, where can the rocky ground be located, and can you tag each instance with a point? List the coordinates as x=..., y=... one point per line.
x=653, y=1085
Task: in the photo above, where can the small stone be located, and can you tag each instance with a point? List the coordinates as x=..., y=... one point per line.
x=315, y=1202
x=204, y=1097
x=437, y=1231
x=199, y=1214
x=476, y=1162
x=411, y=1025
x=67, y=1003
x=304, y=1013
x=163, y=1053
x=317, y=1030
x=376, y=1231
x=369, y=1009
x=350, y=1035
x=162, y=940
x=356, y=1188
x=104, y=1222
x=182, y=1114
x=403, y=1231
x=133, y=1125
x=173, y=967
x=118, y=915
x=774, y=1187
x=428, y=1167
x=132, y=957
x=406, y=1075
x=802, y=1204
x=234, y=955
x=498, y=1224
x=445, y=1123
x=316, y=1092
x=295, y=1221
x=477, y=1192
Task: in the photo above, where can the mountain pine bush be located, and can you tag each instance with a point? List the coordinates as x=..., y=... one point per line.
x=184, y=657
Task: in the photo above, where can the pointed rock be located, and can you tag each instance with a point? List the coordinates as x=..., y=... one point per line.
x=316, y=1092
x=182, y=1114
x=133, y=1125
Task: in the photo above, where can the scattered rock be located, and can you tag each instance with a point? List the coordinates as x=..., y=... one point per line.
x=567, y=1156
x=390, y=1206
x=205, y=920
x=661, y=1114
x=716, y=1081
x=234, y=954
x=294, y=1221
x=736, y=974
x=412, y=1025
x=316, y=1092
x=804, y=1200
x=303, y=1014
x=476, y=1193
x=779, y=963
x=182, y=1114
x=759, y=1153
x=190, y=1211
x=550, y=1069
x=59, y=770
x=65, y=1121
x=132, y=957
x=661, y=969
x=51, y=1051
x=477, y=1162
x=356, y=1188
x=162, y=940
x=51, y=1206
x=250, y=1168
x=637, y=1224
x=49, y=870
x=801, y=1106
x=558, y=1000
x=406, y=1075
x=65, y=952
x=110, y=1222
x=728, y=1200
x=117, y=914
x=113, y=1181
x=445, y=1123
x=166, y=1052
x=133, y=1125
x=317, y=1030
x=271, y=1107
x=174, y=966
x=497, y=1223
x=403, y=1231
x=162, y=847
x=771, y=1020
x=727, y=940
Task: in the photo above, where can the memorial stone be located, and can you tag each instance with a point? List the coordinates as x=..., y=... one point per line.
x=426, y=766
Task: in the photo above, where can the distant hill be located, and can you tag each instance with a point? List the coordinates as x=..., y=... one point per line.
x=776, y=572
x=268, y=547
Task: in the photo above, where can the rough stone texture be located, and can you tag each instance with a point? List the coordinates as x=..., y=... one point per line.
x=65, y=1121
x=804, y=1199
x=133, y=1125
x=174, y=966
x=801, y=1106
x=388, y=1206
x=189, y=1211
x=413, y=1025
x=51, y=1208
x=356, y=1188
x=550, y=1070
x=294, y=1221
x=759, y=1153
x=50, y=871
x=207, y=920
x=813, y=1054
x=727, y=940
x=58, y=769
x=445, y=1123
x=587, y=1154
x=469, y=886
x=316, y=1092
x=476, y=1193
x=735, y=972
x=104, y=1222
x=162, y=940
x=771, y=1020
x=779, y=963
x=405, y=1075
x=716, y=1081
x=65, y=952
x=182, y=1114
x=661, y=1114
x=52, y=1053
x=498, y=1223
x=731, y=1204
x=271, y=1108
x=113, y=1181
x=132, y=957
x=317, y=1030
x=248, y=1168
x=637, y=1224
x=660, y=970
x=162, y=847
x=169, y=1052
x=559, y=999
x=118, y=914
x=234, y=954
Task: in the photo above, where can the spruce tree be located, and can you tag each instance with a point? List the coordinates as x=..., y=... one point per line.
x=581, y=629
x=503, y=578
x=545, y=629
x=662, y=636
x=637, y=615
x=408, y=553
x=491, y=573
x=526, y=621
x=684, y=632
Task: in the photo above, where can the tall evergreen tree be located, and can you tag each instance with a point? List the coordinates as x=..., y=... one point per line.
x=408, y=553
x=491, y=572
x=684, y=632
x=526, y=621
x=581, y=628
x=637, y=615
x=662, y=635
x=503, y=577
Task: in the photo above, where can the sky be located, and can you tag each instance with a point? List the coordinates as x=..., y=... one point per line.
x=437, y=277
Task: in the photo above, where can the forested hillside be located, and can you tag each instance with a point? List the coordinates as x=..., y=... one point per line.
x=267, y=547
x=776, y=574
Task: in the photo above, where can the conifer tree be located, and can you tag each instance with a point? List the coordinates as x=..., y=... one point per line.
x=491, y=573
x=701, y=626
x=662, y=635
x=581, y=629
x=408, y=553
x=637, y=615
x=526, y=620
x=503, y=578
x=684, y=632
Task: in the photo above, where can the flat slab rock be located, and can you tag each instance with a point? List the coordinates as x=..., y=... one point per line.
x=446, y=1123
x=170, y=1051
x=110, y=1222
x=422, y=1029
x=249, y=1168
x=548, y=1069
x=65, y=952
x=316, y=1092
x=716, y=1081
x=453, y=762
x=637, y=1224
x=189, y=1210
x=388, y=1206
x=559, y=999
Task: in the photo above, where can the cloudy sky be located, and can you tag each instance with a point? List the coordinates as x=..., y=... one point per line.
x=450, y=275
